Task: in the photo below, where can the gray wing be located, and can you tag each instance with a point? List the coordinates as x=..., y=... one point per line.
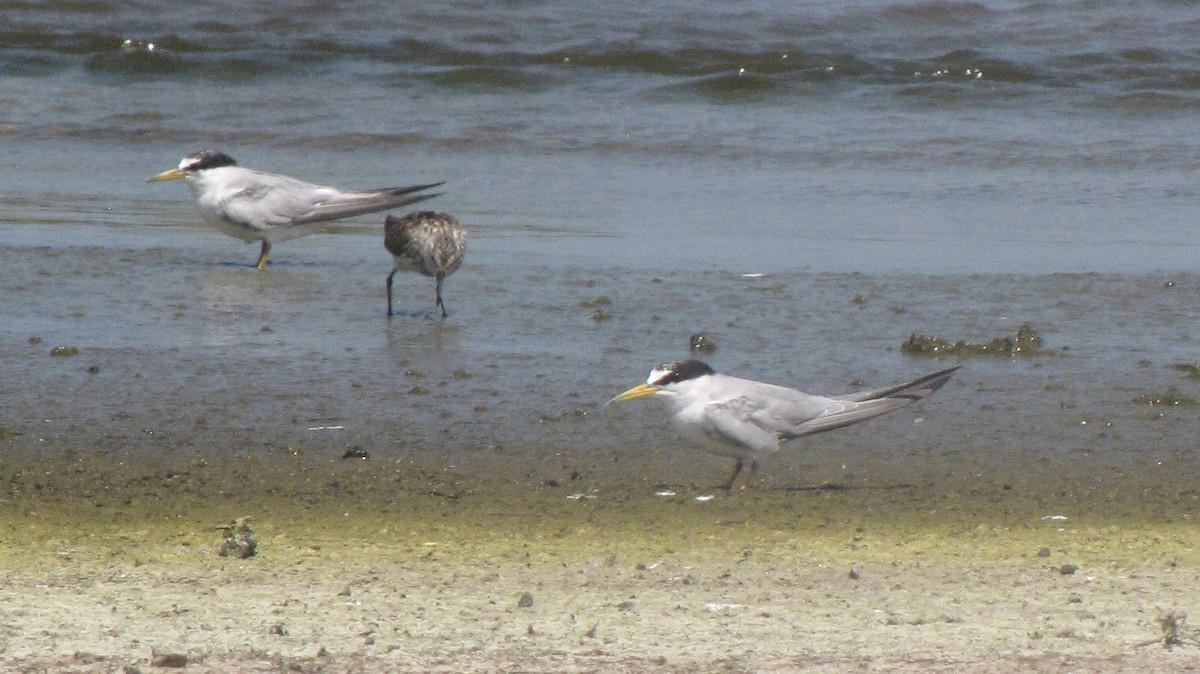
x=845, y=414
x=351, y=204
x=786, y=414
x=739, y=421
x=279, y=201
x=856, y=407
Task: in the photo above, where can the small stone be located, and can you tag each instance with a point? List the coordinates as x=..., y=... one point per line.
x=64, y=351
x=1067, y=569
x=702, y=342
x=175, y=660
x=525, y=601
x=1044, y=552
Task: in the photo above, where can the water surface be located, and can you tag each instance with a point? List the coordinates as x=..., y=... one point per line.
x=810, y=185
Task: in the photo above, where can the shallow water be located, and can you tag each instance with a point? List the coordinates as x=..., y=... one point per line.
x=181, y=351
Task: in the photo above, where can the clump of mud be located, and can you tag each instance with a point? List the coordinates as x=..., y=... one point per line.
x=1027, y=342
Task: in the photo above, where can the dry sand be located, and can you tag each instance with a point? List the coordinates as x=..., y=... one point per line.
x=368, y=566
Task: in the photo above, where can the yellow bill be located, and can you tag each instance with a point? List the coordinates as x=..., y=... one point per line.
x=173, y=174
x=639, y=391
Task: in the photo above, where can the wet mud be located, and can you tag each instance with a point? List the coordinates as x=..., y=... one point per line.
x=409, y=481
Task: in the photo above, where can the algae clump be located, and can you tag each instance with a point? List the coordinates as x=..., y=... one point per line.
x=1171, y=397
x=1027, y=342
x=1192, y=370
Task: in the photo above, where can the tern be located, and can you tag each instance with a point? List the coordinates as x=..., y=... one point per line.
x=256, y=206
x=430, y=243
x=747, y=420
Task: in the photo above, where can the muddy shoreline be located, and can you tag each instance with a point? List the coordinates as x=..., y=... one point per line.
x=375, y=566
x=930, y=539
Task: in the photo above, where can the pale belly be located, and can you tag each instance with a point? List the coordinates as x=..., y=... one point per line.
x=695, y=436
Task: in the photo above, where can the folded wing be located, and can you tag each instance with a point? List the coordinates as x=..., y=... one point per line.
x=349, y=205
x=865, y=405
x=767, y=414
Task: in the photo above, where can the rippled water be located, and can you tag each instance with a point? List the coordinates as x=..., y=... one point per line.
x=962, y=166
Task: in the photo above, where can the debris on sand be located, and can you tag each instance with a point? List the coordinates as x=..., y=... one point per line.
x=240, y=541
x=1027, y=342
x=1171, y=624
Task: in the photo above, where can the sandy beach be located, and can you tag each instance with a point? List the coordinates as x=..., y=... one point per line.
x=365, y=566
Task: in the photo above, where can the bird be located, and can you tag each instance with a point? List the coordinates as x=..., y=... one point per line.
x=747, y=420
x=427, y=242
x=256, y=206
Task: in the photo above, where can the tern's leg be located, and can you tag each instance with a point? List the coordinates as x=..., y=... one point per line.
x=737, y=470
x=440, y=304
x=749, y=484
x=262, y=255
x=389, y=287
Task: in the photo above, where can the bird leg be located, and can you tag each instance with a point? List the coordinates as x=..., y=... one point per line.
x=749, y=483
x=440, y=304
x=389, y=287
x=737, y=470
x=262, y=255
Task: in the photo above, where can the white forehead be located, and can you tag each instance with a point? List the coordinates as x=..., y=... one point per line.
x=656, y=374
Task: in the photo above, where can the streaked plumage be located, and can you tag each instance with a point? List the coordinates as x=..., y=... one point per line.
x=747, y=420
x=256, y=206
x=427, y=242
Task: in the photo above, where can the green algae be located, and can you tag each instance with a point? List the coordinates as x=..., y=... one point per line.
x=1027, y=342
x=601, y=301
x=163, y=513
x=1191, y=370
x=1171, y=397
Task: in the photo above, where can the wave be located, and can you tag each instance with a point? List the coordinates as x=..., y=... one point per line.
x=509, y=46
